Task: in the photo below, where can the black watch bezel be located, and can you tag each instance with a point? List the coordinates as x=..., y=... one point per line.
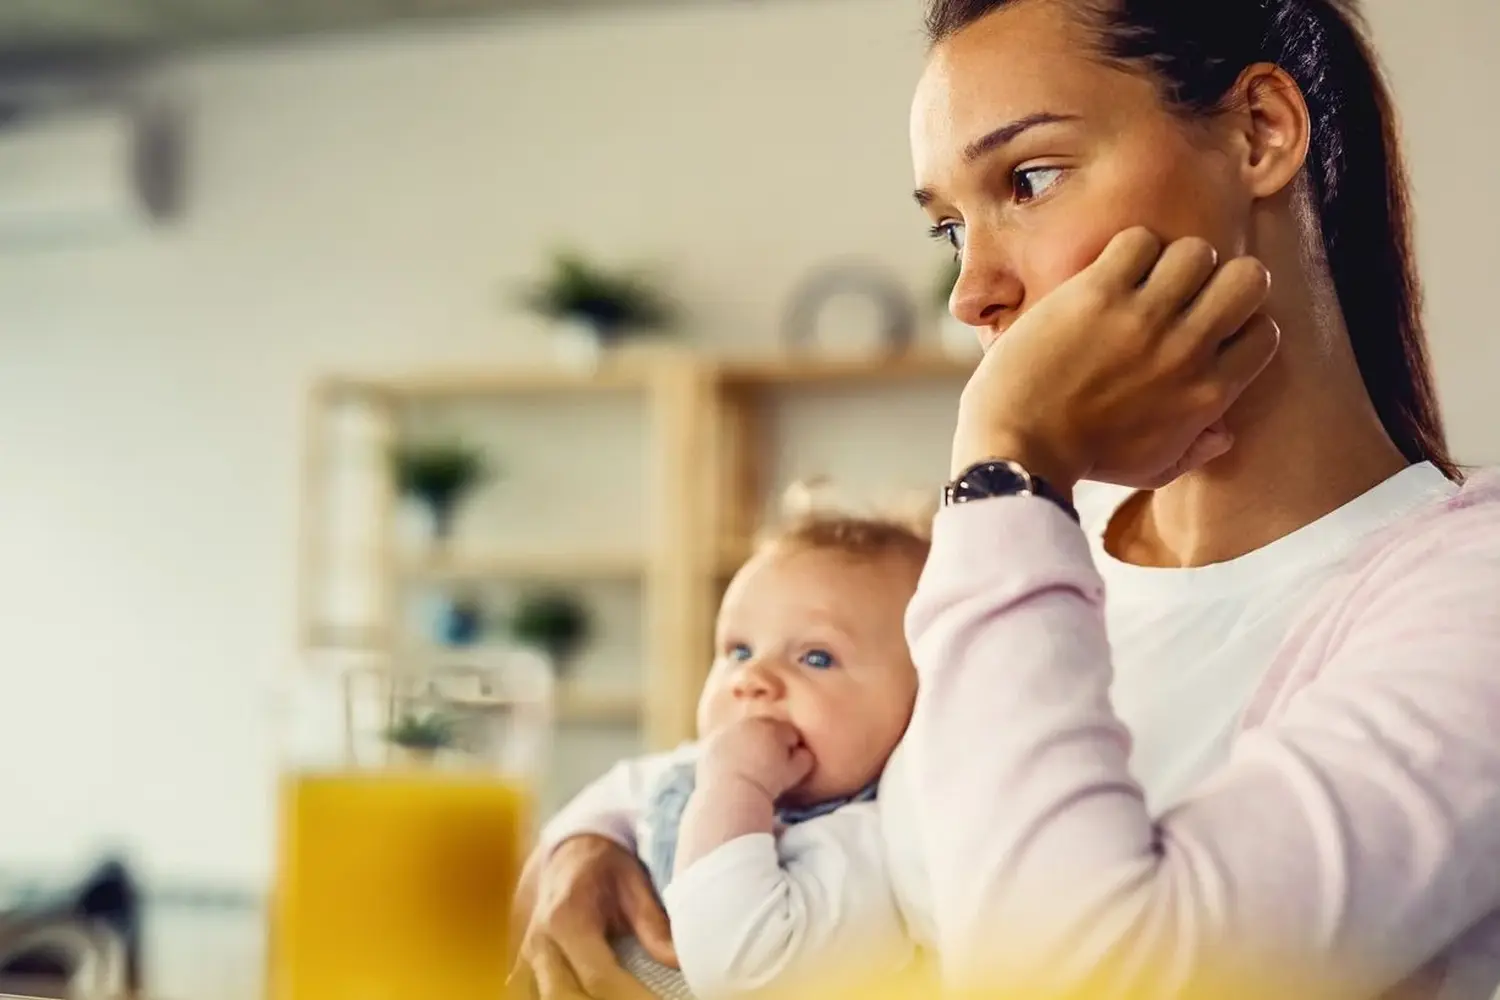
x=1002, y=477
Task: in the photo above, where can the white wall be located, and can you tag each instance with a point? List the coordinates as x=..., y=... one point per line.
x=357, y=205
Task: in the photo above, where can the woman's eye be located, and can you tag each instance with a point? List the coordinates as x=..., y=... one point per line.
x=818, y=659
x=951, y=233
x=1034, y=181
x=739, y=652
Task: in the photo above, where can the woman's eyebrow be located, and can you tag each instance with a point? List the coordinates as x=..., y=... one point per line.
x=996, y=139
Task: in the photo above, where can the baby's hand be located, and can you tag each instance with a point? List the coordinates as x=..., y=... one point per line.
x=764, y=754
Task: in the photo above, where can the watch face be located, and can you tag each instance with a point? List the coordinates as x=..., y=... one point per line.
x=998, y=479
x=991, y=479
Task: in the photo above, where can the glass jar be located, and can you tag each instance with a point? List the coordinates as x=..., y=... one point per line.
x=405, y=813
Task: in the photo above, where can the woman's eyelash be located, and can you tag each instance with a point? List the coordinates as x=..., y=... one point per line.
x=947, y=232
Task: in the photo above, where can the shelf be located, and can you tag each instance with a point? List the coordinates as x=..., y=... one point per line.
x=636, y=371
x=708, y=463
x=615, y=376
x=584, y=564
x=579, y=705
x=807, y=369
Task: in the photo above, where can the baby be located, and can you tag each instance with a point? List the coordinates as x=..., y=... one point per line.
x=762, y=838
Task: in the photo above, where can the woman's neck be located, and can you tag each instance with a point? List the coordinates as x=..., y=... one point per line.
x=1307, y=441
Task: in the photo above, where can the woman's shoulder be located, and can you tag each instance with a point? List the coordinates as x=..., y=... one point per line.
x=1436, y=567
x=1418, y=597
x=1463, y=524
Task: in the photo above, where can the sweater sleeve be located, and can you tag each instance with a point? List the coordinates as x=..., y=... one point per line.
x=1342, y=846
x=809, y=915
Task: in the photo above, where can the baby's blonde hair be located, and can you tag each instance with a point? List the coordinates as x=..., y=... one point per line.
x=812, y=516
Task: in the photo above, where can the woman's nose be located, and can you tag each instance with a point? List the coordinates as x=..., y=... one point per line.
x=988, y=293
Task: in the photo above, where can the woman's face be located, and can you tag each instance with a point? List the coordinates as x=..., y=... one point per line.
x=1030, y=154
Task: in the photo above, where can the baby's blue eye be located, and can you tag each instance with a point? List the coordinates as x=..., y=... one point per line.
x=818, y=659
x=739, y=652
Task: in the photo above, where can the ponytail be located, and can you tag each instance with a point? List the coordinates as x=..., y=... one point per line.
x=1363, y=200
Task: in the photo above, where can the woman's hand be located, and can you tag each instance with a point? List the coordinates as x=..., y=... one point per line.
x=587, y=890
x=1124, y=372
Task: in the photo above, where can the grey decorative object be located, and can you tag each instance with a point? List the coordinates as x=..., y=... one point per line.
x=898, y=314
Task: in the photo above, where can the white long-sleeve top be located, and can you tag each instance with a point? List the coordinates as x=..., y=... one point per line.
x=812, y=904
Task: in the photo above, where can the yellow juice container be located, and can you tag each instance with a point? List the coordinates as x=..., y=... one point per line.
x=397, y=865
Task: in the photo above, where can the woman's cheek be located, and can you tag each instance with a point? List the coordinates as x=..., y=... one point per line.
x=1050, y=262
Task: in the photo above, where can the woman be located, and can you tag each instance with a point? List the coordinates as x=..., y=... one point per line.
x=1183, y=230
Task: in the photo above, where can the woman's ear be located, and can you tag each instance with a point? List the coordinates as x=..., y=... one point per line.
x=1278, y=128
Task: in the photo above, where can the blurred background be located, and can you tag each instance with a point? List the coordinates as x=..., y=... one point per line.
x=331, y=326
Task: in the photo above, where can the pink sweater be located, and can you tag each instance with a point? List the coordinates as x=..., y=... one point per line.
x=1354, y=835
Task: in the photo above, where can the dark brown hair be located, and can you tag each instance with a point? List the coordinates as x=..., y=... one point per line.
x=1196, y=50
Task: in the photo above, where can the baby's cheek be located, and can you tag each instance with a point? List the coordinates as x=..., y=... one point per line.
x=712, y=706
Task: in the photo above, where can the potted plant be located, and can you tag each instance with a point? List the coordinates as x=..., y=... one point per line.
x=418, y=739
x=555, y=622
x=957, y=338
x=593, y=308
x=434, y=476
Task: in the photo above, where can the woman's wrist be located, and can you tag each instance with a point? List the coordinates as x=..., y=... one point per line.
x=1040, y=461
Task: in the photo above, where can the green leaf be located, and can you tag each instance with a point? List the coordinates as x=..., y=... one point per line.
x=431, y=732
x=612, y=302
x=553, y=621
x=439, y=471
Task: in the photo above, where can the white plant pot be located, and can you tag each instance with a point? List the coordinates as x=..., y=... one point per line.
x=578, y=344
x=416, y=527
x=959, y=340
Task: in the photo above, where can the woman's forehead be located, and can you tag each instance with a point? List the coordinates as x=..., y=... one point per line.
x=1022, y=61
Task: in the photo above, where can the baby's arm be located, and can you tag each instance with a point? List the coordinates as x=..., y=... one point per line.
x=611, y=805
x=817, y=913
x=742, y=770
x=748, y=914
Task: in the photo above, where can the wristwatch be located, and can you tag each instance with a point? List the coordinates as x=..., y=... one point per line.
x=999, y=477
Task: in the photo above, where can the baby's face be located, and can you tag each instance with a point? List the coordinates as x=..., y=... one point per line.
x=814, y=638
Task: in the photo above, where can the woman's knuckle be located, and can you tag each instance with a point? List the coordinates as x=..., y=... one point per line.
x=1092, y=299
x=1209, y=396
x=1134, y=328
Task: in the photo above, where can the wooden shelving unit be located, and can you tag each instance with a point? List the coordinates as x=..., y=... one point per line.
x=708, y=466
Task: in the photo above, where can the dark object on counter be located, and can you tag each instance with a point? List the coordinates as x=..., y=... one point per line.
x=84, y=941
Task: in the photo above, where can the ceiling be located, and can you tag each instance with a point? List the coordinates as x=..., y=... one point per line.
x=43, y=30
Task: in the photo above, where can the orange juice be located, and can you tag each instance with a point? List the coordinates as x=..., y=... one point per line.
x=395, y=886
